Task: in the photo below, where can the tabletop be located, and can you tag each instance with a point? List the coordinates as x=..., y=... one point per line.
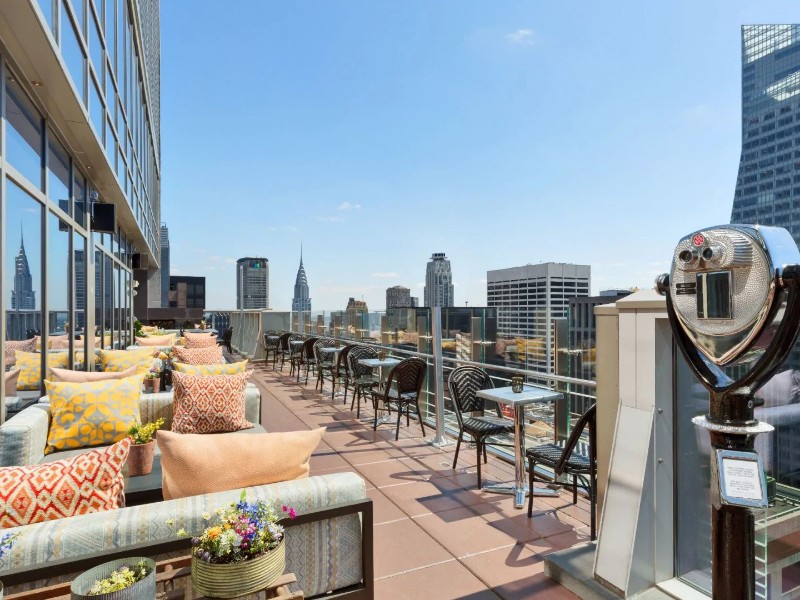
x=376, y=362
x=297, y=342
x=330, y=350
x=529, y=395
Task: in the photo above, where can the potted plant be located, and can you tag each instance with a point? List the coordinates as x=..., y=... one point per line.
x=152, y=380
x=143, y=448
x=123, y=579
x=6, y=542
x=243, y=552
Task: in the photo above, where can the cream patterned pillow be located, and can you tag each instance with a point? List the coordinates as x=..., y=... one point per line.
x=30, y=367
x=199, y=340
x=215, y=369
x=198, y=356
x=13, y=345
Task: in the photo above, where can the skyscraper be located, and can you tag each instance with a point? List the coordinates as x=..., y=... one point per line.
x=252, y=283
x=164, y=268
x=528, y=300
x=439, y=281
x=301, y=301
x=768, y=166
x=22, y=296
x=398, y=297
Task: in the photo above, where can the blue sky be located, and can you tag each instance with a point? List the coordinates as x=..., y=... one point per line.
x=501, y=133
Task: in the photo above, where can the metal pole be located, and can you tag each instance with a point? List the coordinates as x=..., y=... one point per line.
x=440, y=439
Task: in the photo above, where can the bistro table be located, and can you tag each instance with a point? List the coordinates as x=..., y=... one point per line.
x=380, y=364
x=518, y=402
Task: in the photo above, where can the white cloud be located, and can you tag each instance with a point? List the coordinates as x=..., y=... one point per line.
x=387, y=275
x=331, y=219
x=520, y=37
x=348, y=206
x=291, y=228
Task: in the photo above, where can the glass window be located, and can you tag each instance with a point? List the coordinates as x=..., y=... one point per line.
x=78, y=9
x=96, y=47
x=96, y=110
x=79, y=297
x=58, y=277
x=72, y=53
x=111, y=35
x=46, y=6
x=23, y=263
x=98, y=294
x=58, y=174
x=118, y=309
x=108, y=301
x=24, y=136
x=79, y=196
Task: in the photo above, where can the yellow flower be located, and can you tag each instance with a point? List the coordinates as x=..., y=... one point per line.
x=214, y=533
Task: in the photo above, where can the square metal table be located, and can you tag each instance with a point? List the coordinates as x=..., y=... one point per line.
x=380, y=364
x=518, y=401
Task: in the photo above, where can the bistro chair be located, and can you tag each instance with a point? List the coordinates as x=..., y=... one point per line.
x=271, y=347
x=324, y=363
x=283, y=348
x=360, y=376
x=402, y=389
x=306, y=357
x=573, y=457
x=226, y=340
x=342, y=370
x=295, y=352
x=464, y=383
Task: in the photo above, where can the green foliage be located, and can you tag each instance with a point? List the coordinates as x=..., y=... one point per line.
x=137, y=328
x=120, y=579
x=142, y=434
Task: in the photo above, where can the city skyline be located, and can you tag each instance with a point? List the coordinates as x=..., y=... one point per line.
x=512, y=146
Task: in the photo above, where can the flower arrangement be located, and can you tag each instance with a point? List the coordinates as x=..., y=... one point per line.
x=153, y=373
x=143, y=433
x=243, y=531
x=6, y=543
x=120, y=579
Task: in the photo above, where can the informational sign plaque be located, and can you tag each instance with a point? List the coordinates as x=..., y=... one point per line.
x=741, y=479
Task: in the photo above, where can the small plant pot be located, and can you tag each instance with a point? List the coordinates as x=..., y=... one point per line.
x=517, y=385
x=238, y=579
x=141, y=590
x=152, y=386
x=140, y=459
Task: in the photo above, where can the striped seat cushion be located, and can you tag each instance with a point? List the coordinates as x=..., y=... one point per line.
x=551, y=454
x=488, y=425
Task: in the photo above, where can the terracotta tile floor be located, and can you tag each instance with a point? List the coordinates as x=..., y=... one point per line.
x=436, y=534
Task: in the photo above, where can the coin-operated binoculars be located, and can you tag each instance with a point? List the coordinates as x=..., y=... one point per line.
x=733, y=300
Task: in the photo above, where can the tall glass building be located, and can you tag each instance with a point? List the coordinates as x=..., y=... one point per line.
x=439, y=281
x=768, y=183
x=80, y=111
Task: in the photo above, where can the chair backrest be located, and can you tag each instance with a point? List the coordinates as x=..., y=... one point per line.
x=408, y=376
x=342, y=360
x=228, y=336
x=356, y=353
x=308, y=348
x=292, y=338
x=271, y=343
x=464, y=384
x=322, y=343
x=588, y=419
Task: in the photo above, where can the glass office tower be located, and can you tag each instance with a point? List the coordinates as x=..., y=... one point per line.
x=80, y=84
x=768, y=183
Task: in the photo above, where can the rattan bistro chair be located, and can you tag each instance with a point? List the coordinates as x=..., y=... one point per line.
x=360, y=376
x=226, y=340
x=575, y=458
x=402, y=389
x=295, y=353
x=342, y=370
x=284, y=351
x=324, y=363
x=271, y=345
x=464, y=384
x=306, y=358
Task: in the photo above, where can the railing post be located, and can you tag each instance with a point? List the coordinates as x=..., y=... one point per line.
x=440, y=439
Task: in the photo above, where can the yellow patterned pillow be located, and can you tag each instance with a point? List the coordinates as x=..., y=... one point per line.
x=30, y=366
x=91, y=414
x=226, y=369
x=119, y=360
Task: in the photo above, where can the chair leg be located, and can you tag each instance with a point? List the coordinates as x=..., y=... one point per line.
x=374, y=414
x=574, y=489
x=478, y=447
x=484, y=453
x=530, y=489
x=419, y=416
x=333, y=385
x=458, y=447
x=399, y=417
x=592, y=508
x=346, y=385
x=408, y=415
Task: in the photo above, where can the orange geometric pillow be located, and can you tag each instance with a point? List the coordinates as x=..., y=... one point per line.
x=198, y=356
x=156, y=340
x=86, y=483
x=199, y=340
x=13, y=345
x=208, y=403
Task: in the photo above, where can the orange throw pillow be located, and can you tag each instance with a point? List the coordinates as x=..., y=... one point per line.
x=200, y=464
x=208, y=403
x=199, y=340
x=208, y=355
x=68, y=376
x=157, y=340
x=86, y=483
x=13, y=345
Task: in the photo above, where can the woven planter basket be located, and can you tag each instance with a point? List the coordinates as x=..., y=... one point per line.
x=238, y=579
x=141, y=590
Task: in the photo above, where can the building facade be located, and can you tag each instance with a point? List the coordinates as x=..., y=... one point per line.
x=301, y=302
x=528, y=300
x=164, y=268
x=768, y=181
x=252, y=283
x=439, y=281
x=398, y=297
x=80, y=84
x=356, y=321
x=582, y=333
x=187, y=292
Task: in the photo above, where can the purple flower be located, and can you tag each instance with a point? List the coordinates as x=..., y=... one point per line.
x=292, y=514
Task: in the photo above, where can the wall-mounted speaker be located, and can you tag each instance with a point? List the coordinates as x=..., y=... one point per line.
x=140, y=261
x=104, y=218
